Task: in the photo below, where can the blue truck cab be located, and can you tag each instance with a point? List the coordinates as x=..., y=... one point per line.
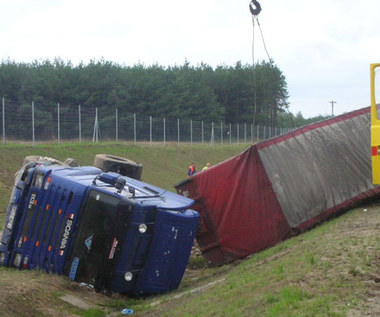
x=110, y=231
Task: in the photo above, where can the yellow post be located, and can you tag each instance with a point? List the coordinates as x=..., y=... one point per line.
x=375, y=123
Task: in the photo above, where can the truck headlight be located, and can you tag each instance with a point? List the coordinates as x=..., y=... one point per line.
x=39, y=179
x=142, y=228
x=26, y=259
x=128, y=276
x=17, y=260
x=11, y=217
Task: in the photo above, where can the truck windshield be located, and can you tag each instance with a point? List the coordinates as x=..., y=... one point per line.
x=96, y=243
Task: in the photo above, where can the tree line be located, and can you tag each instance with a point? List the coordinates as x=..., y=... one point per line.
x=232, y=94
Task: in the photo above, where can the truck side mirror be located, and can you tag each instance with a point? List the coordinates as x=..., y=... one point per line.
x=119, y=185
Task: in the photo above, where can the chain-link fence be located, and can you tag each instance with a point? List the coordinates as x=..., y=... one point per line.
x=81, y=123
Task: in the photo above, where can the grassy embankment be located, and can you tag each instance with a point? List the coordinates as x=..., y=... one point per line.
x=332, y=270
x=163, y=165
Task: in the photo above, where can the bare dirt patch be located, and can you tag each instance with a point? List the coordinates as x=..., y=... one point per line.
x=372, y=297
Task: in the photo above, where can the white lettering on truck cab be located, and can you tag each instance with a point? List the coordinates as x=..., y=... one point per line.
x=66, y=233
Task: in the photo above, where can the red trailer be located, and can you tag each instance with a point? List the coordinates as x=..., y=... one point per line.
x=282, y=186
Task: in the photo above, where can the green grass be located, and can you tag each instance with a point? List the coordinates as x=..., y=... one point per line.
x=92, y=312
x=323, y=272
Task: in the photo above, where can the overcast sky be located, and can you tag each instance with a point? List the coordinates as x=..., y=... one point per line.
x=323, y=47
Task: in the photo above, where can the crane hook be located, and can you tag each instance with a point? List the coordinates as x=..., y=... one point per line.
x=254, y=7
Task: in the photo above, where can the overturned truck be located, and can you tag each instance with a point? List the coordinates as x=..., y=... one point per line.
x=282, y=186
x=97, y=226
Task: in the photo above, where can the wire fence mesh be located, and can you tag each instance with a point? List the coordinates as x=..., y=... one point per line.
x=28, y=122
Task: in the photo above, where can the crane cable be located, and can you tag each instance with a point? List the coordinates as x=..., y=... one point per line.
x=262, y=37
x=271, y=61
x=255, y=9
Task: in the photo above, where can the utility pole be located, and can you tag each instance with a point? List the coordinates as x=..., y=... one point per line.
x=332, y=107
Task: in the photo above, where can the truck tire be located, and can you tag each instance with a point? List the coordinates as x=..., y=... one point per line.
x=117, y=164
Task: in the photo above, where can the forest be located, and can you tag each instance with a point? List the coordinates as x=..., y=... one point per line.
x=232, y=94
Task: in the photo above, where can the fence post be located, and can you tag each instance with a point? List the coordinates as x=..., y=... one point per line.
x=212, y=134
x=59, y=124
x=251, y=133
x=134, y=128
x=33, y=136
x=202, y=133
x=95, y=136
x=258, y=133
x=117, y=125
x=191, y=132
x=237, y=133
x=230, y=133
x=164, y=131
x=221, y=132
x=80, y=124
x=178, y=129
x=150, y=130
x=3, y=103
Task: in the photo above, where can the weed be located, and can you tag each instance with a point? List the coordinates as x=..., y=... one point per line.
x=312, y=259
x=93, y=312
x=355, y=271
x=270, y=298
x=288, y=300
x=197, y=262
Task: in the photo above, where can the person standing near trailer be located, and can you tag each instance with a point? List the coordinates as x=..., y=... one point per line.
x=206, y=167
x=191, y=170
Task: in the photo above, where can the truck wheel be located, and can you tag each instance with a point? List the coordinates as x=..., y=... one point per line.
x=120, y=165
